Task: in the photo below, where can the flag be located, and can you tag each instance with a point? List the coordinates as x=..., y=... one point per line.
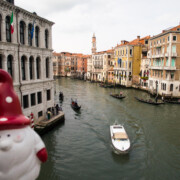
x=32, y=30
x=12, y=24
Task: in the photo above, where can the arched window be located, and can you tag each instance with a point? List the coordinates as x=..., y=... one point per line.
x=23, y=67
x=22, y=32
x=1, y=63
x=31, y=66
x=37, y=36
x=9, y=65
x=47, y=67
x=0, y=27
x=8, y=29
x=29, y=34
x=46, y=38
x=38, y=68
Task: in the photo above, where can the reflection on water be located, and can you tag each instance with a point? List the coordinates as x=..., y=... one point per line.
x=81, y=148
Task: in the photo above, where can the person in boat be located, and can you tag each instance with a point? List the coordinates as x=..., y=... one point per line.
x=75, y=103
x=72, y=102
x=120, y=94
x=57, y=109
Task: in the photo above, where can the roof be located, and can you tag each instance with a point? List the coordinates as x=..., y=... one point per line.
x=18, y=9
x=120, y=135
x=138, y=41
x=168, y=30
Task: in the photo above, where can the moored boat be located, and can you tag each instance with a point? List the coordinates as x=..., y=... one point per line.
x=119, y=139
x=172, y=101
x=148, y=101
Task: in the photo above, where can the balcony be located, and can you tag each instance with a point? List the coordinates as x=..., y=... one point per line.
x=157, y=55
x=156, y=67
x=98, y=66
x=173, y=68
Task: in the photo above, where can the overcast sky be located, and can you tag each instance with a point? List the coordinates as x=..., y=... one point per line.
x=110, y=20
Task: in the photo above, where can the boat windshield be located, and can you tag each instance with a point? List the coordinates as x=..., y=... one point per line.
x=123, y=139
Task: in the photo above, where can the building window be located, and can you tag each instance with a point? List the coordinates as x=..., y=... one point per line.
x=48, y=94
x=174, y=49
x=130, y=52
x=10, y=1
x=39, y=97
x=146, y=41
x=22, y=32
x=23, y=67
x=8, y=29
x=33, y=99
x=37, y=36
x=25, y=102
x=47, y=67
x=174, y=38
x=9, y=65
x=31, y=65
x=38, y=68
x=29, y=35
x=0, y=26
x=171, y=87
x=172, y=75
x=40, y=113
x=173, y=62
x=1, y=63
x=46, y=38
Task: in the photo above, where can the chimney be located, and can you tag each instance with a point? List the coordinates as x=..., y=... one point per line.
x=138, y=37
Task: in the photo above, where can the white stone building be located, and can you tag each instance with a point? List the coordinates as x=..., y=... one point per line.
x=27, y=59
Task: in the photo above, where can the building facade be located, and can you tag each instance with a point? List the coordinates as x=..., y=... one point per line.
x=128, y=56
x=165, y=63
x=27, y=59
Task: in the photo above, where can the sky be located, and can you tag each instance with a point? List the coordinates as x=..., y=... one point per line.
x=110, y=20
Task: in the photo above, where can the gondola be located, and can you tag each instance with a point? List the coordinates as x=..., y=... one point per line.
x=148, y=101
x=74, y=105
x=117, y=96
x=61, y=96
x=172, y=102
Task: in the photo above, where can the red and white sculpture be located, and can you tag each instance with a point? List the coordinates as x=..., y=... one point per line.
x=21, y=148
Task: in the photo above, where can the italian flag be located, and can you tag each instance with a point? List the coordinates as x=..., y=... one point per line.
x=12, y=25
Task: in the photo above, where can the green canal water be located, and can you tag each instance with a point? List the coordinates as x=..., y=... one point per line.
x=81, y=147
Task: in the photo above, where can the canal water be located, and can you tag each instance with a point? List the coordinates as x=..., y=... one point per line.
x=81, y=148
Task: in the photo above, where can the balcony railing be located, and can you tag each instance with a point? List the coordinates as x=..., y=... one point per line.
x=98, y=66
x=169, y=68
x=157, y=55
x=156, y=67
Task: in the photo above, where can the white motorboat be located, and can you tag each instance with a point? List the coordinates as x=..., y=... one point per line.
x=119, y=138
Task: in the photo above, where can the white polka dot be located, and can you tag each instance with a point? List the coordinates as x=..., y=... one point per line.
x=9, y=99
x=3, y=119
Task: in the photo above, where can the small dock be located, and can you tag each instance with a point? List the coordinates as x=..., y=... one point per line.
x=46, y=125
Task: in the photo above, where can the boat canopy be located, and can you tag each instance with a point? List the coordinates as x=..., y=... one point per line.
x=120, y=135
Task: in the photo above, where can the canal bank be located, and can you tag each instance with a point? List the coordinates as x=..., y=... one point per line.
x=81, y=147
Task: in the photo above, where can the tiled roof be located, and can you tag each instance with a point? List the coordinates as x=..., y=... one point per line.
x=138, y=41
